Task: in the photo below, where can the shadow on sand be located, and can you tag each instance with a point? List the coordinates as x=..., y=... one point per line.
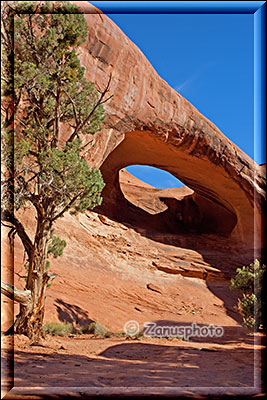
x=142, y=364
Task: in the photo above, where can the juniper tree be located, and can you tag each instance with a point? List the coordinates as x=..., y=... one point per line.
x=50, y=111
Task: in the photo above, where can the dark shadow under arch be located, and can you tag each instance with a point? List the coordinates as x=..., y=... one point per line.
x=177, y=210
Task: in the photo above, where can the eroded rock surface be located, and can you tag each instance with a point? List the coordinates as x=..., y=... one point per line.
x=108, y=269
x=185, y=241
x=150, y=123
x=147, y=255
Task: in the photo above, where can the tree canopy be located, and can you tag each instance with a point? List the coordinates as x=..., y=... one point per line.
x=48, y=88
x=50, y=112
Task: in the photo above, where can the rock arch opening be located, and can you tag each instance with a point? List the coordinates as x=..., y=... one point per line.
x=172, y=210
x=197, y=207
x=156, y=177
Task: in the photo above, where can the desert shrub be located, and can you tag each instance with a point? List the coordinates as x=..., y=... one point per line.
x=96, y=329
x=120, y=334
x=58, y=329
x=249, y=280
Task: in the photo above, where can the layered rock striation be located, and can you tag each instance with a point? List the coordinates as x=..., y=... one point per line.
x=150, y=123
x=173, y=255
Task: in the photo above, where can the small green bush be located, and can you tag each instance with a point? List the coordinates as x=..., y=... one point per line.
x=96, y=329
x=58, y=329
x=120, y=334
x=249, y=280
x=57, y=247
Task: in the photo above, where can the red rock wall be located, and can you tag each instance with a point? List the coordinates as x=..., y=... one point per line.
x=150, y=123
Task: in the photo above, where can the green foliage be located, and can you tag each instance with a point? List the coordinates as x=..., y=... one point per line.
x=249, y=280
x=66, y=175
x=56, y=247
x=48, y=171
x=248, y=308
x=96, y=329
x=119, y=334
x=58, y=329
x=47, y=265
x=49, y=116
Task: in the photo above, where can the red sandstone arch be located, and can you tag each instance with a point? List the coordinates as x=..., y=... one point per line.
x=150, y=123
x=141, y=147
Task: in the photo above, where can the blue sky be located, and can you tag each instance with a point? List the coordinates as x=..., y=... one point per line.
x=208, y=59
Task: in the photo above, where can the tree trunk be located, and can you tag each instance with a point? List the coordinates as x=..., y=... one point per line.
x=29, y=321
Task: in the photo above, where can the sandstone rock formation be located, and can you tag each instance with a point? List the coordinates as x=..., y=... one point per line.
x=147, y=254
x=150, y=123
x=179, y=210
x=184, y=241
x=112, y=272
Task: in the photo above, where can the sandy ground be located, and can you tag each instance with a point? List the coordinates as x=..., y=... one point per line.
x=112, y=273
x=230, y=364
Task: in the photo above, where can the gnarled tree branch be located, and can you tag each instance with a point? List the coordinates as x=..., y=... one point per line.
x=86, y=120
x=21, y=296
x=27, y=243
